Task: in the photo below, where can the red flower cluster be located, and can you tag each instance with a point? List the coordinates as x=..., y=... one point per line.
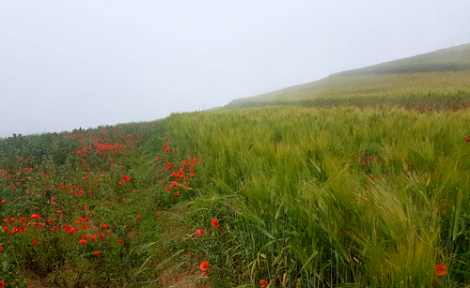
x=126, y=178
x=179, y=178
x=35, y=179
x=107, y=147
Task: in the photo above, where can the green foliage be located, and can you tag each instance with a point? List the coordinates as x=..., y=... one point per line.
x=341, y=196
x=302, y=197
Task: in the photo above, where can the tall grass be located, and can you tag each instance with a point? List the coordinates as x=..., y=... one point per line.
x=319, y=197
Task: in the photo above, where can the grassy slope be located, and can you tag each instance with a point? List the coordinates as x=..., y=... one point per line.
x=342, y=196
x=440, y=78
x=371, y=197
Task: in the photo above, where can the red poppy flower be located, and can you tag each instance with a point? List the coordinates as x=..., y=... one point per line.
x=199, y=232
x=467, y=139
x=441, y=269
x=215, y=222
x=83, y=242
x=34, y=243
x=97, y=253
x=203, y=265
x=35, y=216
x=138, y=217
x=263, y=283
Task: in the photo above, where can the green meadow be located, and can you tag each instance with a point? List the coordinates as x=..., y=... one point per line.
x=344, y=196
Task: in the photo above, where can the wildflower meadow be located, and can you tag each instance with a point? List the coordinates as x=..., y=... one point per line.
x=256, y=197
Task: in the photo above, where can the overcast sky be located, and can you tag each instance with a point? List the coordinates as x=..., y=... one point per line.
x=70, y=64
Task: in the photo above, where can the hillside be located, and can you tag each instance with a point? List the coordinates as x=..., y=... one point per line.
x=440, y=78
x=278, y=196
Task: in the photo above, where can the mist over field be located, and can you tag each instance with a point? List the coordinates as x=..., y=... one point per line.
x=320, y=144
x=83, y=64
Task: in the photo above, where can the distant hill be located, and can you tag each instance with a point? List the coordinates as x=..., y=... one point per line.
x=440, y=78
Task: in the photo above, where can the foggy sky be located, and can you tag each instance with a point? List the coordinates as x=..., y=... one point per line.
x=70, y=64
